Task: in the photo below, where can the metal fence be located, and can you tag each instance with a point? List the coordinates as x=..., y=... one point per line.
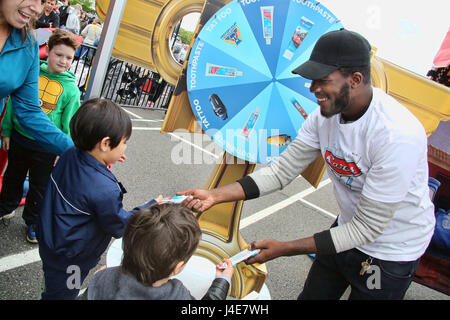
x=125, y=83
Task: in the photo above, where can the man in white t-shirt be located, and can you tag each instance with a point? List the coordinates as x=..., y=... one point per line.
x=375, y=152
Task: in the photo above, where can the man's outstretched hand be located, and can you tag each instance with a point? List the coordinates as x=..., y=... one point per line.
x=198, y=200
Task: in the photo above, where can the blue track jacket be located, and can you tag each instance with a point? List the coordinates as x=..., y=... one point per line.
x=19, y=78
x=81, y=211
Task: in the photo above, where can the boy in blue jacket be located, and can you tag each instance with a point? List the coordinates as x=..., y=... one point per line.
x=82, y=206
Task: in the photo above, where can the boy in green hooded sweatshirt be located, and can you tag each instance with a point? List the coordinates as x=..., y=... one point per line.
x=60, y=99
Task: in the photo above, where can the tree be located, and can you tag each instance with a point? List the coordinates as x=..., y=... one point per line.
x=185, y=35
x=87, y=5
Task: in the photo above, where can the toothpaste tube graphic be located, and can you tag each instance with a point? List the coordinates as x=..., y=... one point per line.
x=232, y=35
x=299, y=108
x=280, y=141
x=299, y=36
x=214, y=70
x=250, y=125
x=267, y=23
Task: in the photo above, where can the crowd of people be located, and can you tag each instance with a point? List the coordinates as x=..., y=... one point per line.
x=375, y=151
x=60, y=14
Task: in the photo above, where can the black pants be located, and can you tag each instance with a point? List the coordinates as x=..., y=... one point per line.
x=21, y=161
x=330, y=276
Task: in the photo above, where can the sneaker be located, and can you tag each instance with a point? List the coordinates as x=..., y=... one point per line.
x=6, y=217
x=31, y=235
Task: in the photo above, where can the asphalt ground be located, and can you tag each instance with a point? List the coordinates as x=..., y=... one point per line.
x=153, y=167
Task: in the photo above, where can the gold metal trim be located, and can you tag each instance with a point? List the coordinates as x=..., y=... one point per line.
x=165, y=23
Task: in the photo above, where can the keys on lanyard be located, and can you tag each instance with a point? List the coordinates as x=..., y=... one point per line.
x=365, y=265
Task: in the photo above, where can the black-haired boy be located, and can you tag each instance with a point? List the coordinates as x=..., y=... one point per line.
x=82, y=206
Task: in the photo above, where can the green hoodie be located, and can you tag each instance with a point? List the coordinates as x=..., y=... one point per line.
x=59, y=98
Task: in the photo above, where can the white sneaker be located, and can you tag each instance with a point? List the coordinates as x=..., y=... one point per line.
x=8, y=216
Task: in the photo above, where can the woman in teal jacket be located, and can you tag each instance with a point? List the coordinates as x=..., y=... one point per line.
x=19, y=73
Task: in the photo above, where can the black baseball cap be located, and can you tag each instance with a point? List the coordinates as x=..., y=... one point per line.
x=333, y=50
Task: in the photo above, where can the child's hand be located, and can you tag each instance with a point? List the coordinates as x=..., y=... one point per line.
x=5, y=144
x=159, y=199
x=228, y=271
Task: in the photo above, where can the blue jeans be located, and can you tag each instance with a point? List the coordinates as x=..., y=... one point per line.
x=330, y=276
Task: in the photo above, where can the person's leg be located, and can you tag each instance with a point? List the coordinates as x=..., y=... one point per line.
x=324, y=281
x=41, y=165
x=59, y=283
x=40, y=168
x=385, y=280
x=15, y=174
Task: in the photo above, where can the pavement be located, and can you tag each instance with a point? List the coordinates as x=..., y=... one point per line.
x=156, y=166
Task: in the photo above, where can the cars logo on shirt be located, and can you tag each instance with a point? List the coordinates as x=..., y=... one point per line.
x=341, y=166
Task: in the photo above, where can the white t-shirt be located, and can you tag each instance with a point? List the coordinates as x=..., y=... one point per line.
x=383, y=156
x=91, y=32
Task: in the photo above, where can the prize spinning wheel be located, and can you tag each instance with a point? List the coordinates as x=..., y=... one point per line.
x=240, y=81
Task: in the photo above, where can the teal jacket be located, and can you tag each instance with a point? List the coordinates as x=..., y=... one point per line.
x=19, y=76
x=59, y=97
